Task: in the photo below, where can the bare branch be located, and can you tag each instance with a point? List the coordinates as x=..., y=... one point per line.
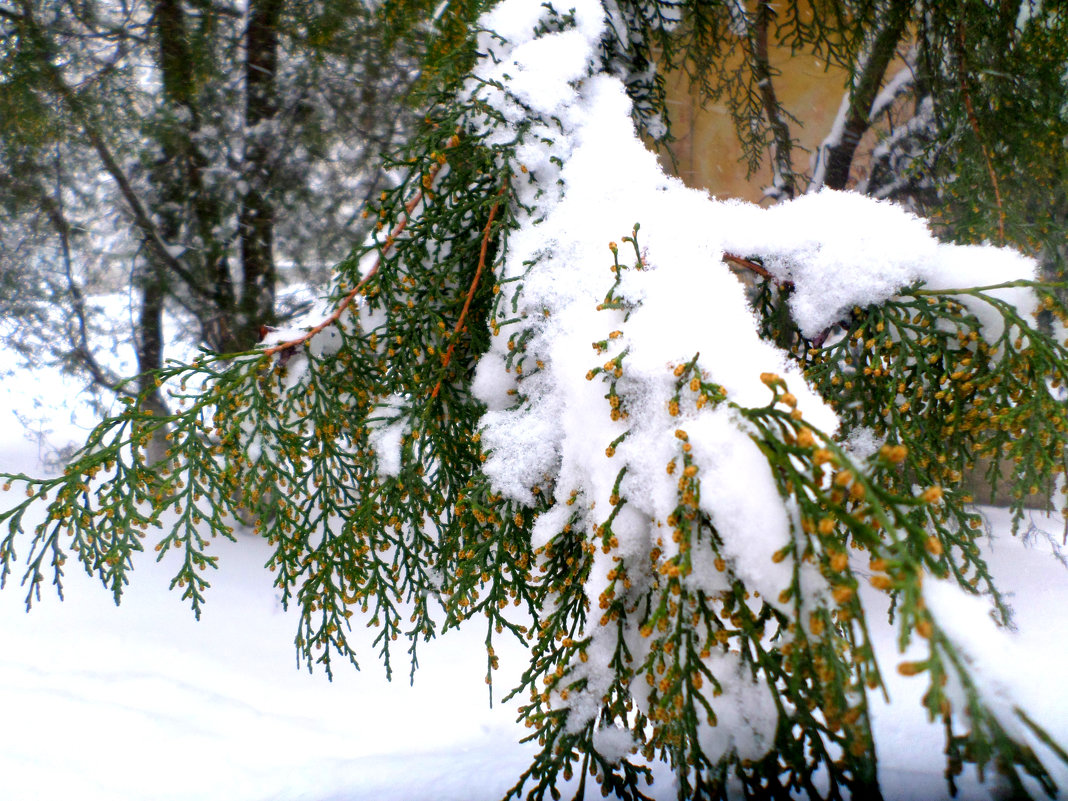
x=973, y=121
x=100, y=375
x=347, y=300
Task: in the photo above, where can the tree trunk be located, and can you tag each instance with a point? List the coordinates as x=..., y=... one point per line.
x=148, y=340
x=837, y=155
x=195, y=212
x=256, y=219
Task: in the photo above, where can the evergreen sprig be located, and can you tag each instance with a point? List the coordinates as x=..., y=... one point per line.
x=917, y=370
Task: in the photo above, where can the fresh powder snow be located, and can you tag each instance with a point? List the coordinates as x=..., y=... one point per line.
x=601, y=423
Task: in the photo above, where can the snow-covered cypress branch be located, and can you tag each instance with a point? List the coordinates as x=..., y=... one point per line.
x=541, y=387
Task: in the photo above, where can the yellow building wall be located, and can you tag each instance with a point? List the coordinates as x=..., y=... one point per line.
x=706, y=150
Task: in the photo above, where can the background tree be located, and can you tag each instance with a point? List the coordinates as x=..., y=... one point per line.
x=157, y=143
x=981, y=147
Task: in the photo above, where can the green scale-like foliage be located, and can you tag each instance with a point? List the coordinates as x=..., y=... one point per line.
x=282, y=436
x=917, y=371
x=998, y=160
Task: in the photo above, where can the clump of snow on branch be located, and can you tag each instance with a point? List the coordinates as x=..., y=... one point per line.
x=583, y=179
x=388, y=428
x=841, y=250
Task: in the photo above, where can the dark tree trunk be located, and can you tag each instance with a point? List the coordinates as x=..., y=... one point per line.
x=148, y=344
x=256, y=220
x=149, y=334
x=189, y=209
x=838, y=158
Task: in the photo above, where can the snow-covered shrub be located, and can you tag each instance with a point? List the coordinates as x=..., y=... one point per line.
x=544, y=397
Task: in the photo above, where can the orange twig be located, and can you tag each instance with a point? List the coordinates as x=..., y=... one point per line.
x=470, y=293
x=748, y=264
x=346, y=301
x=989, y=164
x=738, y=261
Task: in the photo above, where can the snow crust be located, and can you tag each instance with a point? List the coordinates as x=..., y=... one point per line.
x=613, y=742
x=986, y=649
x=1029, y=10
x=746, y=716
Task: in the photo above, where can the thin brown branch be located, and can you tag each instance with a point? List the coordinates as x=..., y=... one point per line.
x=746, y=264
x=974, y=121
x=470, y=292
x=346, y=301
x=759, y=269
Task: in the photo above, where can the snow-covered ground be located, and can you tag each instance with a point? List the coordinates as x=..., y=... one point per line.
x=141, y=702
